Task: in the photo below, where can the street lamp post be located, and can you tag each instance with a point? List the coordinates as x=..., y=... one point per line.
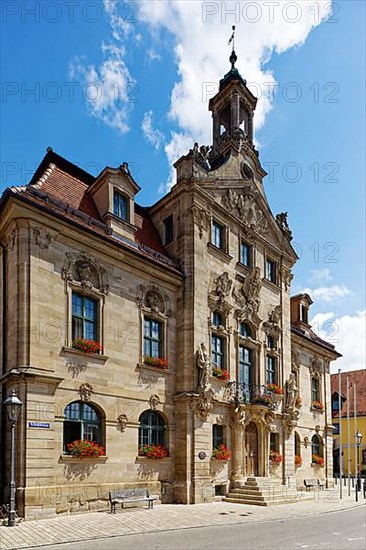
x=358, y=438
x=13, y=405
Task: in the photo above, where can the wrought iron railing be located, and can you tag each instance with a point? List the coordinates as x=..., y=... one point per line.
x=251, y=394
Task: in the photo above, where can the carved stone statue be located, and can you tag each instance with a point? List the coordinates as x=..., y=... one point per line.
x=275, y=315
x=223, y=284
x=252, y=285
x=204, y=366
x=291, y=391
x=281, y=220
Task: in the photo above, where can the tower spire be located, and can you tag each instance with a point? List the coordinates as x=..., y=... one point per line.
x=233, y=57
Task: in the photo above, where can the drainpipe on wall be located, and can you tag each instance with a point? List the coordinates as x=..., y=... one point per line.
x=3, y=367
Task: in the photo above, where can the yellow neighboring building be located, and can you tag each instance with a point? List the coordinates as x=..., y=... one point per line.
x=358, y=378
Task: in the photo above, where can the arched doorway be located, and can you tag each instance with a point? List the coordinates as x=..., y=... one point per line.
x=251, y=450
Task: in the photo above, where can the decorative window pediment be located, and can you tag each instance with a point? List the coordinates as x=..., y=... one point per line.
x=151, y=300
x=83, y=270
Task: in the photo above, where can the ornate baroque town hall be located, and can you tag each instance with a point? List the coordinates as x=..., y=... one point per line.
x=202, y=353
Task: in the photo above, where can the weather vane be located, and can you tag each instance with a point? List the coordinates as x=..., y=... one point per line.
x=232, y=38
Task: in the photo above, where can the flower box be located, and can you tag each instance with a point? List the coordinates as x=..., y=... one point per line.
x=317, y=460
x=275, y=457
x=86, y=346
x=83, y=448
x=155, y=452
x=156, y=362
x=221, y=452
x=298, y=460
x=317, y=406
x=221, y=374
x=275, y=389
x=262, y=400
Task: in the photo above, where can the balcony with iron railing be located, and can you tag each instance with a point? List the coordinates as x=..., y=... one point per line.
x=253, y=394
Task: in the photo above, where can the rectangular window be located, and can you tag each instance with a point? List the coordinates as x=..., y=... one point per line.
x=314, y=389
x=218, y=235
x=304, y=314
x=120, y=206
x=152, y=338
x=245, y=365
x=245, y=254
x=84, y=317
x=274, y=442
x=218, y=352
x=217, y=435
x=271, y=376
x=168, y=229
x=271, y=274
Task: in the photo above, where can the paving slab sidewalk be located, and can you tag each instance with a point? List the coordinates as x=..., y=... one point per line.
x=97, y=525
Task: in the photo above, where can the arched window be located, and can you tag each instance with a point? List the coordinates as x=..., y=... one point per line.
x=82, y=421
x=245, y=330
x=297, y=445
x=316, y=445
x=151, y=429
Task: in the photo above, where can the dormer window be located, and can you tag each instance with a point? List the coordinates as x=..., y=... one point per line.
x=304, y=314
x=120, y=206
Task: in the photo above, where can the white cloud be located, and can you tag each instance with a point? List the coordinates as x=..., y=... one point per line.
x=320, y=275
x=153, y=55
x=328, y=294
x=153, y=136
x=202, y=55
x=347, y=334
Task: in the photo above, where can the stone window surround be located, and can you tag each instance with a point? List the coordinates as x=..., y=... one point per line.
x=74, y=286
x=223, y=333
x=226, y=234
x=130, y=211
x=161, y=318
x=317, y=377
x=270, y=258
x=252, y=253
x=255, y=346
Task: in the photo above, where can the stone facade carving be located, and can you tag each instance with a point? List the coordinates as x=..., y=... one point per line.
x=85, y=391
x=282, y=223
x=271, y=327
x=202, y=405
x=244, y=206
x=247, y=297
x=216, y=298
x=202, y=219
x=152, y=300
x=292, y=392
x=204, y=367
x=154, y=402
x=84, y=269
x=201, y=155
x=289, y=421
x=316, y=367
x=287, y=277
x=42, y=238
x=122, y=422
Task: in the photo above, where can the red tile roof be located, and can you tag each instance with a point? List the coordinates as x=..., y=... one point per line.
x=60, y=187
x=357, y=377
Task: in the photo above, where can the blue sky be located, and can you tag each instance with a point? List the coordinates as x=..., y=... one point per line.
x=162, y=57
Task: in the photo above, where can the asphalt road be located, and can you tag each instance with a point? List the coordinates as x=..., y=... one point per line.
x=336, y=530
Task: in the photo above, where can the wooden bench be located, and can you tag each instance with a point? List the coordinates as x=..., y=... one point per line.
x=309, y=483
x=130, y=495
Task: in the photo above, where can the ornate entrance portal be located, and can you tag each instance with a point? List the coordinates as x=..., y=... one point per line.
x=251, y=450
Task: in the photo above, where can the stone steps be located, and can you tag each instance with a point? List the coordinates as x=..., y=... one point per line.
x=262, y=491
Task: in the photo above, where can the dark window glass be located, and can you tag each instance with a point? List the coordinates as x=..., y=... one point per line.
x=304, y=314
x=270, y=342
x=120, y=206
x=217, y=435
x=152, y=338
x=245, y=330
x=245, y=365
x=168, y=229
x=271, y=271
x=314, y=389
x=316, y=446
x=297, y=444
x=245, y=253
x=271, y=369
x=82, y=421
x=217, y=319
x=84, y=317
x=274, y=442
x=151, y=429
x=217, y=236
x=218, y=352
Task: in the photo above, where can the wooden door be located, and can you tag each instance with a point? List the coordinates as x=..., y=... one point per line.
x=251, y=449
